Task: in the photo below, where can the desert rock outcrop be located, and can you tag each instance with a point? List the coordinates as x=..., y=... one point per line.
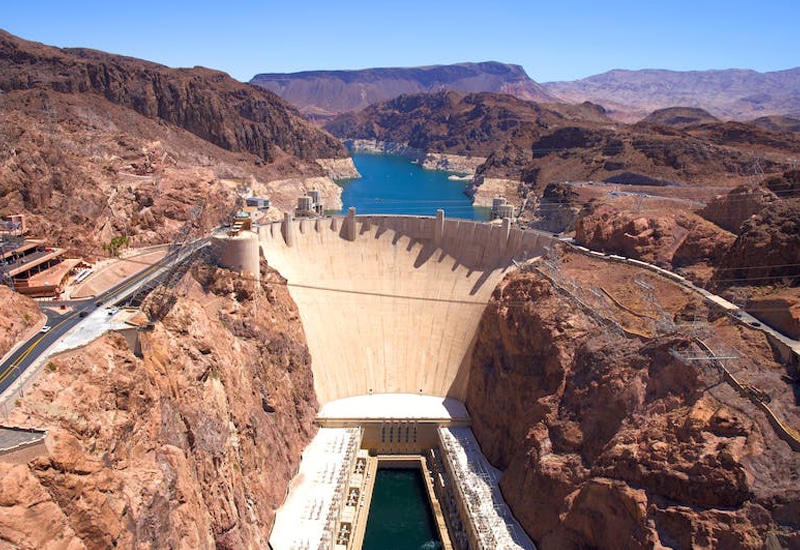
x=673, y=239
x=608, y=440
x=14, y=327
x=191, y=445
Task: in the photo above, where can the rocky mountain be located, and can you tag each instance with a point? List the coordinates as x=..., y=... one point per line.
x=95, y=145
x=731, y=94
x=207, y=103
x=191, y=444
x=539, y=144
x=679, y=117
x=324, y=94
x=459, y=123
x=606, y=437
x=778, y=123
x=627, y=96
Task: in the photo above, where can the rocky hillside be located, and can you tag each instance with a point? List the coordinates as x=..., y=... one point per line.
x=539, y=144
x=727, y=94
x=324, y=94
x=670, y=236
x=459, y=123
x=742, y=244
x=191, y=445
x=14, y=327
x=679, y=117
x=96, y=145
x=767, y=248
x=778, y=123
x=207, y=103
x=607, y=439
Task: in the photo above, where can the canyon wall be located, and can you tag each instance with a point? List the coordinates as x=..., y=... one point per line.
x=190, y=446
x=608, y=440
x=13, y=328
x=207, y=103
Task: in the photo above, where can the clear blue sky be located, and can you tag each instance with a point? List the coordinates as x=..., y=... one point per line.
x=553, y=40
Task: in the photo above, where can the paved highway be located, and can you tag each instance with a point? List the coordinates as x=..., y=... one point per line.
x=60, y=324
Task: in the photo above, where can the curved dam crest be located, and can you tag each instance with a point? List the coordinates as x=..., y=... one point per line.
x=391, y=304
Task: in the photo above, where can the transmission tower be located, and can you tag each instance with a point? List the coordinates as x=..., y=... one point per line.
x=758, y=173
x=176, y=268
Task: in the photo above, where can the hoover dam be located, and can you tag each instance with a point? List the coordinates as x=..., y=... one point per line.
x=390, y=306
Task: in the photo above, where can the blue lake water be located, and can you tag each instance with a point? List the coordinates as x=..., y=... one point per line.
x=392, y=184
x=399, y=516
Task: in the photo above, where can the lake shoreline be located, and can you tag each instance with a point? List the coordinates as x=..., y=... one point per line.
x=395, y=184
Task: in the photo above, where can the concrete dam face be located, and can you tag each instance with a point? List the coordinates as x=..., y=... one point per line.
x=391, y=304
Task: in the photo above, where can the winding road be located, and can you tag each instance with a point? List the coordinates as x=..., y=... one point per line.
x=60, y=324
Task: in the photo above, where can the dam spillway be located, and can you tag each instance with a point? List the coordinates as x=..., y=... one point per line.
x=391, y=304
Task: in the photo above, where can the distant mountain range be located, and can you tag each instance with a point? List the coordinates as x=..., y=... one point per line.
x=731, y=94
x=325, y=94
x=626, y=95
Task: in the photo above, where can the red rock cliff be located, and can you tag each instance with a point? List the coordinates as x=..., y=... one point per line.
x=609, y=441
x=207, y=103
x=190, y=446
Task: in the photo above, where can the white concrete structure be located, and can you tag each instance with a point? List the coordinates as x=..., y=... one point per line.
x=308, y=517
x=406, y=406
x=240, y=252
x=490, y=524
x=391, y=304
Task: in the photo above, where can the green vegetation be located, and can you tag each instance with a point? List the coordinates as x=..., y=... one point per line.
x=113, y=246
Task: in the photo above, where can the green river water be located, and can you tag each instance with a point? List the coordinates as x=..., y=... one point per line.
x=399, y=516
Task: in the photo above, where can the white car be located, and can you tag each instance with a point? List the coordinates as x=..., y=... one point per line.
x=46, y=328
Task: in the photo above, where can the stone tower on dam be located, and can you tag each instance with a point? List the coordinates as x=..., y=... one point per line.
x=391, y=304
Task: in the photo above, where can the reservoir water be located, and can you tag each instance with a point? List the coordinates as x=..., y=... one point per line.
x=392, y=184
x=399, y=516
